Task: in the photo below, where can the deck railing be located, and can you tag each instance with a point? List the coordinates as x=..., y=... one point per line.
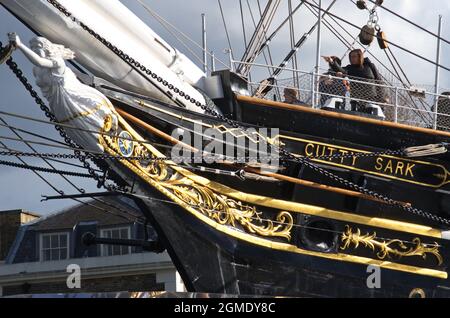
x=410, y=105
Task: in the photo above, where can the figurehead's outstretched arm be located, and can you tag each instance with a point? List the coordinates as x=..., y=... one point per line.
x=34, y=58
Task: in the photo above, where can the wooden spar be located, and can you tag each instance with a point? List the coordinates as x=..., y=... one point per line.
x=154, y=130
x=280, y=177
x=318, y=185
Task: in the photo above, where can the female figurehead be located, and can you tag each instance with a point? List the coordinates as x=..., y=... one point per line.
x=72, y=102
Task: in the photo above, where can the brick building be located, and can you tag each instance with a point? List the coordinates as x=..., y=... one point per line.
x=10, y=222
x=42, y=249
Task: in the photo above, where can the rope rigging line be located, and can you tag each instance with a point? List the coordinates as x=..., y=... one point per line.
x=195, y=55
x=406, y=152
x=378, y=37
x=357, y=41
x=60, y=192
x=12, y=150
x=63, y=174
x=28, y=144
x=269, y=58
x=428, y=120
x=136, y=65
x=19, y=74
x=35, y=172
x=226, y=29
x=411, y=22
x=347, y=43
x=274, y=33
x=243, y=23
x=166, y=24
x=31, y=133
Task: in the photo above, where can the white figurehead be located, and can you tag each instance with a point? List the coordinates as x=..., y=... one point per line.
x=71, y=101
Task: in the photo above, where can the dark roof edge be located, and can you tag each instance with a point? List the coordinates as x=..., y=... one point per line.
x=17, y=242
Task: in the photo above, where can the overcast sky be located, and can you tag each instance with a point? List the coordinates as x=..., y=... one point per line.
x=22, y=189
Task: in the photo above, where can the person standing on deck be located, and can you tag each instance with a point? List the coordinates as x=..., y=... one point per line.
x=360, y=69
x=330, y=86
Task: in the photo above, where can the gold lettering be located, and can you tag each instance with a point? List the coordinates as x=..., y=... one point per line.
x=307, y=152
x=343, y=152
x=389, y=167
x=379, y=164
x=400, y=166
x=409, y=171
x=331, y=150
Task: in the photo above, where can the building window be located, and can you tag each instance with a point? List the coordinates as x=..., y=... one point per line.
x=54, y=246
x=115, y=233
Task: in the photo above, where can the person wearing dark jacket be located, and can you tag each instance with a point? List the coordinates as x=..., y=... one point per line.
x=360, y=69
x=330, y=86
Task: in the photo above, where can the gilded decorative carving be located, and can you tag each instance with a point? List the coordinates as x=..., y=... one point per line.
x=218, y=207
x=161, y=175
x=390, y=247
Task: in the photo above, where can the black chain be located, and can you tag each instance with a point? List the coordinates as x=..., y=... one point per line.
x=287, y=155
x=46, y=170
x=77, y=156
x=351, y=155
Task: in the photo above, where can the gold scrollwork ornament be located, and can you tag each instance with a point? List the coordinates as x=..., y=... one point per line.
x=391, y=247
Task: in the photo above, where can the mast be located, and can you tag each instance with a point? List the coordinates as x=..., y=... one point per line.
x=204, y=45
x=318, y=49
x=437, y=74
x=252, y=50
x=300, y=42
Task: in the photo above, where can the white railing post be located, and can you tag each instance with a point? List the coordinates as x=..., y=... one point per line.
x=313, y=89
x=204, y=44
x=396, y=106
x=213, y=61
x=230, y=58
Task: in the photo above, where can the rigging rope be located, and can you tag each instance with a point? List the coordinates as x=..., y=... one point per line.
x=51, y=159
x=166, y=24
x=226, y=29
x=411, y=22
x=77, y=149
x=378, y=37
x=344, y=41
x=287, y=155
x=47, y=162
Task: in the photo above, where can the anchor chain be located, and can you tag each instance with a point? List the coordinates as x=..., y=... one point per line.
x=144, y=71
x=46, y=170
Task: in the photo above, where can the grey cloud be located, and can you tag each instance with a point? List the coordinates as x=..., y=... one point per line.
x=21, y=189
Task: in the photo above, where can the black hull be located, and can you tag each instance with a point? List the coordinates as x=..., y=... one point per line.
x=219, y=259
x=215, y=263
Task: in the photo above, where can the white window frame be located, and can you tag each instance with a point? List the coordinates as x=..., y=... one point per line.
x=41, y=245
x=102, y=234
